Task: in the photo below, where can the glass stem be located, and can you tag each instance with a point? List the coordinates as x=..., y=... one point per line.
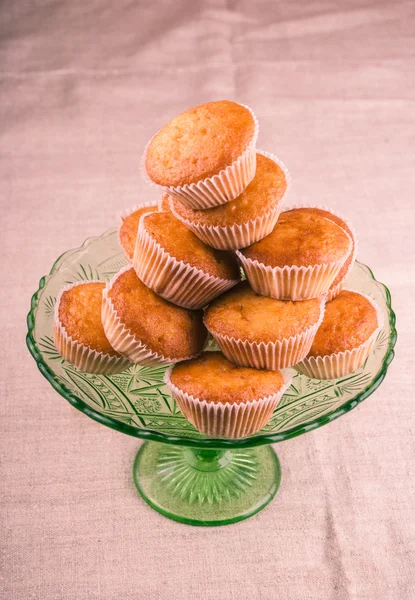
x=211, y=459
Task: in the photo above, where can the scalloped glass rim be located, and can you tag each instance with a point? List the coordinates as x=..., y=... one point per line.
x=149, y=434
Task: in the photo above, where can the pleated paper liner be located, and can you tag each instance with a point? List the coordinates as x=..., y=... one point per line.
x=227, y=185
x=174, y=280
x=231, y=237
x=121, y=338
x=163, y=203
x=236, y=420
x=126, y=212
x=292, y=282
x=83, y=357
x=123, y=214
x=339, y=364
x=350, y=230
x=272, y=356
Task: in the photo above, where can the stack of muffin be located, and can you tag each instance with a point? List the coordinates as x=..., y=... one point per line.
x=220, y=210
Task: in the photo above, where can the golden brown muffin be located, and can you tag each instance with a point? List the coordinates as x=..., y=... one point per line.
x=341, y=223
x=245, y=315
x=128, y=229
x=213, y=378
x=183, y=245
x=262, y=195
x=167, y=329
x=349, y=321
x=300, y=238
x=199, y=143
x=79, y=312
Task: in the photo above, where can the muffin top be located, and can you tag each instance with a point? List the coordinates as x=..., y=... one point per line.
x=199, y=143
x=185, y=246
x=262, y=194
x=79, y=312
x=165, y=328
x=328, y=215
x=301, y=238
x=349, y=321
x=213, y=378
x=128, y=229
x=243, y=314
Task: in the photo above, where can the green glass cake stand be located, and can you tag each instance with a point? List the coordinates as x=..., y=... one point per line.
x=178, y=471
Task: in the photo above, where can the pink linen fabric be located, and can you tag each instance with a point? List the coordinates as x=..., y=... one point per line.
x=84, y=85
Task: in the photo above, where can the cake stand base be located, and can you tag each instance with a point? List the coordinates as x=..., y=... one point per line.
x=206, y=486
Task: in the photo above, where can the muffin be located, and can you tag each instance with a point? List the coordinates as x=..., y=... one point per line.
x=256, y=331
x=337, y=285
x=299, y=259
x=78, y=332
x=175, y=264
x=164, y=203
x=129, y=226
x=345, y=337
x=223, y=400
x=248, y=218
x=146, y=328
x=206, y=155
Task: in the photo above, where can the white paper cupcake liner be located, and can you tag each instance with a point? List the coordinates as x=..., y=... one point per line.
x=335, y=291
x=227, y=420
x=123, y=214
x=339, y=364
x=121, y=338
x=83, y=357
x=173, y=279
x=231, y=237
x=292, y=282
x=227, y=185
x=160, y=204
x=272, y=356
x=126, y=212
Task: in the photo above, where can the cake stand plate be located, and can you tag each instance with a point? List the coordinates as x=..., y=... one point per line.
x=188, y=476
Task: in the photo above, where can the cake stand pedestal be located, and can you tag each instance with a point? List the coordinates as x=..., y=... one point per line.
x=206, y=486
x=178, y=471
